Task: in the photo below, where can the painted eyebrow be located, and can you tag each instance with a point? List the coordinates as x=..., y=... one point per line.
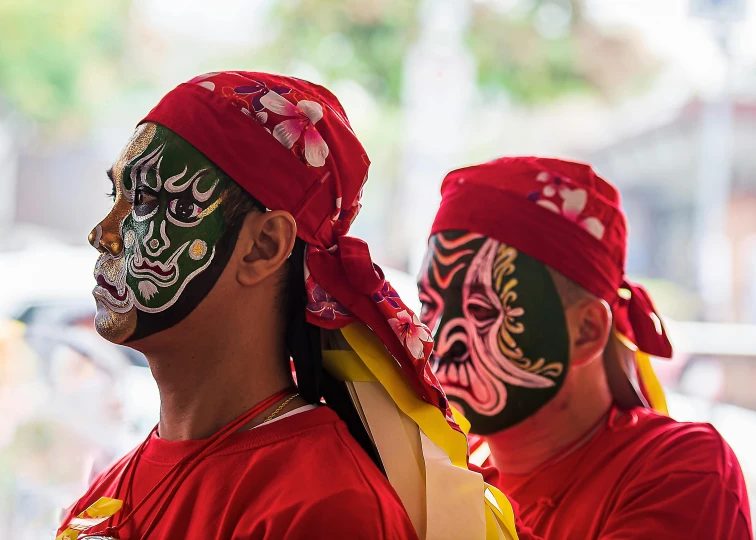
x=139, y=181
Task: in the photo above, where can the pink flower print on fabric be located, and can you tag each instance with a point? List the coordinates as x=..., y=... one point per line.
x=411, y=333
x=260, y=117
x=324, y=305
x=573, y=203
x=387, y=294
x=199, y=80
x=306, y=114
x=552, y=183
x=258, y=90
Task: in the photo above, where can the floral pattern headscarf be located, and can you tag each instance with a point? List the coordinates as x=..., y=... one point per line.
x=565, y=215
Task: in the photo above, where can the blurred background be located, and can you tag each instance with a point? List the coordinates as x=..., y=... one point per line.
x=659, y=96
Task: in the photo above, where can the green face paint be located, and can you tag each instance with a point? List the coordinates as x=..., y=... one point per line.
x=175, y=222
x=501, y=343
x=162, y=235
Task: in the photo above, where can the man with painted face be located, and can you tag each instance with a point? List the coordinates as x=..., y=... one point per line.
x=544, y=344
x=193, y=271
x=224, y=256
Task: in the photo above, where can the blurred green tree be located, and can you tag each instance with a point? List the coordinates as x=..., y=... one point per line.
x=58, y=59
x=52, y=53
x=538, y=50
x=532, y=50
x=353, y=39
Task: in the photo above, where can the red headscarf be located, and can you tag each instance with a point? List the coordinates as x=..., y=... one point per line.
x=289, y=144
x=564, y=215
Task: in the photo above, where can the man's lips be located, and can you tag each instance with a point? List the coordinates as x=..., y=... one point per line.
x=462, y=375
x=102, y=282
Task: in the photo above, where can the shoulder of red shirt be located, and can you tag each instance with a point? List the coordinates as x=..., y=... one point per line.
x=365, y=506
x=672, y=453
x=669, y=446
x=692, y=449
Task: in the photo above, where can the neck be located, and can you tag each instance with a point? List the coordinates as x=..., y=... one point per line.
x=205, y=383
x=566, y=422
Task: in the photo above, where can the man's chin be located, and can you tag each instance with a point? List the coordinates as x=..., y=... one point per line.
x=115, y=327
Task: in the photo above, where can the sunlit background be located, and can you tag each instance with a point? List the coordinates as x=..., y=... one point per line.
x=659, y=95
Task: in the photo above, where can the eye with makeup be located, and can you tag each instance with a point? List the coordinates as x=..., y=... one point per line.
x=184, y=211
x=480, y=308
x=145, y=201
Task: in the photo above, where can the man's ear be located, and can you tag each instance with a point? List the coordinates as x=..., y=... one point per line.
x=266, y=240
x=589, y=322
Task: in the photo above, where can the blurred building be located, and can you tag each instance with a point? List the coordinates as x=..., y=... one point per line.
x=658, y=171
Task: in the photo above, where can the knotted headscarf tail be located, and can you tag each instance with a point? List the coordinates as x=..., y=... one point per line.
x=564, y=215
x=289, y=144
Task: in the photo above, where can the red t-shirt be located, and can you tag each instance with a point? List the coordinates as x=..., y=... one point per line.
x=301, y=477
x=643, y=475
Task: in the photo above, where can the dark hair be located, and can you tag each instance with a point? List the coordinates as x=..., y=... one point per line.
x=237, y=203
x=303, y=339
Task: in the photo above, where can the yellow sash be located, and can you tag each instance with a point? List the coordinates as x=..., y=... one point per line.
x=424, y=457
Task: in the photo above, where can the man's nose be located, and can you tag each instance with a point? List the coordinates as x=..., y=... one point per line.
x=456, y=351
x=106, y=241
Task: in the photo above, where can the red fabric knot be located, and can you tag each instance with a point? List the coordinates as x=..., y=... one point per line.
x=365, y=276
x=636, y=318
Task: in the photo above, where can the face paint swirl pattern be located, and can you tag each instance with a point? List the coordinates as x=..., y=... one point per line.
x=471, y=291
x=165, y=221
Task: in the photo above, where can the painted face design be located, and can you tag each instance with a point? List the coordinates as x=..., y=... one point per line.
x=160, y=243
x=502, y=347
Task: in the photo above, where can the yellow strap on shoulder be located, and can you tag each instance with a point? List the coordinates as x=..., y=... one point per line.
x=655, y=393
x=383, y=368
x=370, y=361
x=499, y=515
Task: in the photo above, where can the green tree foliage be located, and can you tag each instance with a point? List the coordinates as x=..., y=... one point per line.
x=52, y=52
x=355, y=39
x=532, y=50
x=62, y=59
x=548, y=48
x=513, y=55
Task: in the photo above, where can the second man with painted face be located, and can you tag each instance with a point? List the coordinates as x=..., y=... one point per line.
x=544, y=345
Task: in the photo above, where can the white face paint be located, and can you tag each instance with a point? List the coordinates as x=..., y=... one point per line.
x=166, y=230
x=499, y=328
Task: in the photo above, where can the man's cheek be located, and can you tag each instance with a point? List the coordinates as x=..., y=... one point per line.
x=197, y=250
x=140, y=228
